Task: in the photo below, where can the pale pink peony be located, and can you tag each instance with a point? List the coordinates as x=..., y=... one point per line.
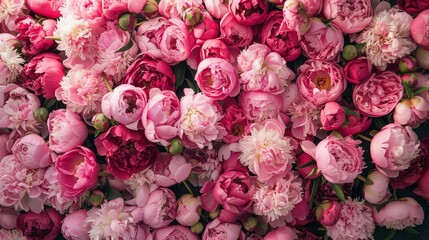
x=88, y=10
x=339, y=159
x=160, y=116
x=420, y=29
x=206, y=165
x=188, y=210
x=169, y=170
x=259, y=106
x=160, y=209
x=82, y=90
x=320, y=81
x=266, y=151
x=393, y=149
x=379, y=95
x=278, y=201
x=351, y=16
x=174, y=232
x=74, y=226
x=32, y=151
x=322, y=42
x=10, y=63
x=66, y=130
x=175, y=8
x=387, y=37
x=217, y=78
x=400, y=214
x=332, y=116
x=216, y=8
x=411, y=112
x=378, y=191
x=295, y=17
x=14, y=234
x=284, y=233
x=112, y=9
x=199, y=122
x=313, y=7
x=222, y=230
x=112, y=221
x=8, y=217
x=355, y=222
x=21, y=187
x=263, y=70
x=10, y=10
x=234, y=33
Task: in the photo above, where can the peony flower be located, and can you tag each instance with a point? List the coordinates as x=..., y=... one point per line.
x=176, y=231
x=32, y=151
x=235, y=123
x=266, y=151
x=45, y=225
x=34, y=34
x=309, y=172
x=358, y=70
x=284, y=233
x=214, y=48
x=387, y=38
x=216, y=8
x=74, y=226
x=413, y=6
x=217, y=78
x=188, y=210
x=175, y=8
x=322, y=42
x=170, y=170
x=14, y=234
x=112, y=221
x=357, y=123
x=248, y=12
x=420, y=29
x=112, y=9
x=42, y=74
x=332, y=116
x=77, y=171
x=304, y=117
x=222, y=230
x=259, y=106
x=82, y=90
x=378, y=191
x=206, y=165
x=206, y=29
x=88, y=10
x=295, y=17
x=355, y=222
x=66, y=130
x=393, y=149
x=400, y=214
x=9, y=12
x=10, y=63
x=328, y=212
x=411, y=112
x=46, y=8
x=277, y=201
x=349, y=16
x=234, y=33
x=339, y=159
x=199, y=121
x=8, y=217
x=160, y=209
x=379, y=95
x=320, y=82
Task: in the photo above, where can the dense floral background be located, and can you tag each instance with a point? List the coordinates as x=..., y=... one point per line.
x=209, y=119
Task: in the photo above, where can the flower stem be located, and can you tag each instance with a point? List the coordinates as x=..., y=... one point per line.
x=364, y=138
x=365, y=180
x=187, y=187
x=107, y=84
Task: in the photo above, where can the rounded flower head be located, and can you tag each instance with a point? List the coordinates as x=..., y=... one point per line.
x=411, y=112
x=248, y=12
x=160, y=209
x=351, y=16
x=10, y=63
x=355, y=222
x=393, y=149
x=259, y=105
x=284, y=233
x=234, y=33
x=387, y=37
x=174, y=232
x=45, y=225
x=400, y=214
x=32, y=151
x=379, y=95
x=222, y=230
x=266, y=151
x=378, y=191
x=72, y=228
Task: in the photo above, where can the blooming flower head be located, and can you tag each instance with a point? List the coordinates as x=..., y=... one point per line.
x=400, y=214
x=387, y=37
x=355, y=222
x=266, y=151
x=9, y=12
x=12, y=234
x=10, y=63
x=351, y=16
x=304, y=115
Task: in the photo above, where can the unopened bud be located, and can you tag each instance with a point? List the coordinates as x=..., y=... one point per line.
x=410, y=79
x=41, y=114
x=197, y=228
x=192, y=16
x=214, y=214
x=100, y=122
x=408, y=64
x=250, y=224
x=328, y=212
x=96, y=198
x=127, y=21
x=176, y=147
x=150, y=9
x=349, y=52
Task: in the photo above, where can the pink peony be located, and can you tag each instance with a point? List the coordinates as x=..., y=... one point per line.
x=248, y=12
x=66, y=130
x=170, y=170
x=88, y=10
x=45, y=225
x=304, y=116
x=221, y=230
x=309, y=172
x=10, y=10
x=234, y=33
x=259, y=106
x=400, y=214
x=42, y=74
x=358, y=70
x=160, y=116
x=328, y=212
x=332, y=116
x=235, y=123
x=266, y=151
x=160, y=209
x=188, y=210
x=15, y=234
x=320, y=82
x=357, y=123
x=284, y=233
x=413, y=6
x=378, y=191
x=379, y=95
x=112, y=9
x=387, y=37
x=214, y=48
x=199, y=121
x=355, y=222
x=393, y=149
x=174, y=232
x=8, y=217
x=10, y=63
x=125, y=104
x=217, y=78
x=216, y=8
x=348, y=15
x=295, y=17
x=46, y=8
x=339, y=159
x=206, y=29
x=34, y=34
x=74, y=226
x=175, y=8
x=77, y=171
x=322, y=42
x=411, y=112
x=32, y=151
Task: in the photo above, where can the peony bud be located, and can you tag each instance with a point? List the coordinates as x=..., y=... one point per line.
x=349, y=52
x=41, y=114
x=127, y=21
x=197, y=228
x=250, y=224
x=422, y=57
x=96, y=198
x=332, y=116
x=214, y=214
x=410, y=79
x=188, y=210
x=150, y=10
x=407, y=64
x=309, y=172
x=176, y=146
x=378, y=191
x=100, y=122
x=328, y=212
x=192, y=16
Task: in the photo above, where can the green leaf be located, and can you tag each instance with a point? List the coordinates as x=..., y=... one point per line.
x=192, y=85
x=359, y=47
x=325, y=236
x=49, y=103
x=126, y=46
x=179, y=71
x=314, y=187
x=379, y=123
x=408, y=89
x=312, y=162
x=390, y=234
x=112, y=194
x=412, y=231
x=420, y=89
x=349, y=112
x=339, y=191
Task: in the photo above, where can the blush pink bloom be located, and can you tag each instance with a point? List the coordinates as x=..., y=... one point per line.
x=217, y=78
x=378, y=191
x=387, y=37
x=304, y=116
x=420, y=29
x=188, y=210
x=82, y=90
x=284, y=43
x=170, y=170
x=234, y=33
x=263, y=70
x=10, y=10
x=358, y=70
x=259, y=106
x=74, y=226
x=110, y=62
x=339, y=159
x=175, y=8
x=45, y=225
x=216, y=8
x=266, y=151
x=411, y=112
x=322, y=42
x=284, y=233
x=77, y=171
x=160, y=116
x=164, y=39
x=248, y=12
x=320, y=81
x=400, y=214
x=66, y=130
x=8, y=217
x=89, y=10
x=332, y=116
x=125, y=104
x=379, y=95
x=160, y=209
x=176, y=231
x=112, y=9
x=221, y=230
x=355, y=222
x=295, y=17
x=349, y=16
x=199, y=121
x=46, y=8
x=393, y=149
x=32, y=151
x=34, y=34
x=10, y=60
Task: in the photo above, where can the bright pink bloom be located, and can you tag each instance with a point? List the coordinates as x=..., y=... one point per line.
x=112, y=9
x=175, y=8
x=309, y=172
x=32, y=151
x=34, y=34
x=220, y=230
x=400, y=214
x=358, y=70
x=235, y=123
x=45, y=225
x=234, y=33
x=216, y=8
x=214, y=48
x=248, y=12
x=413, y=6
x=357, y=123
x=74, y=226
x=206, y=29
x=332, y=116
x=349, y=16
x=328, y=212
x=46, y=8
x=89, y=10
x=170, y=170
